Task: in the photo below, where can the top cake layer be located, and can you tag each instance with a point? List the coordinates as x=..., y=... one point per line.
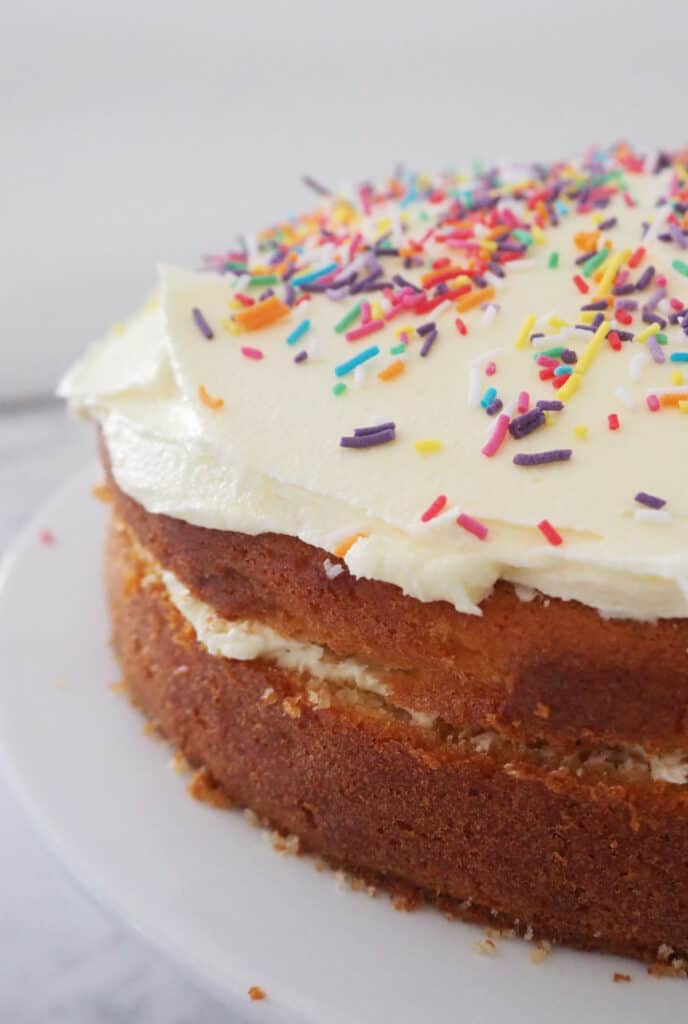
x=367, y=374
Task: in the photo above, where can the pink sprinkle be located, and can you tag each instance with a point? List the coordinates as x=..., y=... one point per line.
x=676, y=304
x=365, y=329
x=47, y=537
x=460, y=326
x=365, y=313
x=472, y=526
x=434, y=509
x=547, y=361
x=494, y=443
x=652, y=403
x=628, y=199
x=613, y=421
x=523, y=403
x=491, y=369
x=357, y=239
x=660, y=281
x=251, y=353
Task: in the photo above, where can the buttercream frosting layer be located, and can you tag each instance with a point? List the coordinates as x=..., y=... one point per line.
x=229, y=432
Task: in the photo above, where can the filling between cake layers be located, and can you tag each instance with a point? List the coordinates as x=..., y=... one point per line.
x=332, y=681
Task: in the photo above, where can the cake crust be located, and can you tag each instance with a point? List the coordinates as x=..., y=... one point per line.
x=544, y=669
x=584, y=861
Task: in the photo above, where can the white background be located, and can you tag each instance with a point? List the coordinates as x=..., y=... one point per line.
x=133, y=132
x=154, y=130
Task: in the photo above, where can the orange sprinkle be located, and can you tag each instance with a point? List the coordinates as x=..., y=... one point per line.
x=474, y=299
x=209, y=400
x=394, y=369
x=586, y=240
x=345, y=545
x=256, y=993
x=252, y=318
x=673, y=399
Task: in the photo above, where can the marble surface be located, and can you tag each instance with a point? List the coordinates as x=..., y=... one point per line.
x=64, y=960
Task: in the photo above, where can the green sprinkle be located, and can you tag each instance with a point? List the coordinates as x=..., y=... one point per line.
x=555, y=352
x=240, y=268
x=339, y=388
x=524, y=237
x=661, y=338
x=595, y=261
x=680, y=266
x=348, y=319
x=263, y=279
x=397, y=350
x=553, y=260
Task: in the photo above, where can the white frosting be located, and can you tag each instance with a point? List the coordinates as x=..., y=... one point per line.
x=269, y=459
x=244, y=640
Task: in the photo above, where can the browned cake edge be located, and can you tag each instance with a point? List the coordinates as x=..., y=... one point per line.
x=587, y=861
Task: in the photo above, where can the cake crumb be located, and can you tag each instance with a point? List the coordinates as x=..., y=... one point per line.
x=664, y=951
x=120, y=687
x=676, y=969
x=251, y=818
x=150, y=730
x=541, y=952
x=268, y=696
x=255, y=993
x=617, y=977
x=291, y=707
x=285, y=844
x=101, y=492
x=60, y=684
x=341, y=879
x=486, y=947
x=542, y=710
x=320, y=866
x=528, y=934
x=179, y=764
x=405, y=902
x=206, y=790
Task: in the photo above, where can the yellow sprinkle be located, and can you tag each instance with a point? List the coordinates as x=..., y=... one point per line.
x=384, y=224
x=231, y=326
x=376, y=312
x=406, y=329
x=676, y=377
x=647, y=332
x=549, y=418
x=428, y=446
x=557, y=323
x=683, y=406
x=569, y=388
x=526, y=328
x=538, y=234
x=592, y=348
x=344, y=545
x=610, y=270
x=587, y=316
x=580, y=432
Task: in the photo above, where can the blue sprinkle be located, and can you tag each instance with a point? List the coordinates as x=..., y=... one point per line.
x=298, y=332
x=351, y=364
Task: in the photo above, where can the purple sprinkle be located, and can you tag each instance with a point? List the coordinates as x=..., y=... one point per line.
x=202, y=324
x=550, y=405
x=266, y=294
x=367, y=440
x=315, y=185
x=526, y=423
x=677, y=235
x=645, y=278
x=569, y=356
x=495, y=407
x=403, y=283
x=540, y=458
x=301, y=356
x=597, y=320
x=601, y=304
x=626, y=304
x=605, y=225
x=653, y=318
x=643, y=498
x=584, y=327
x=625, y=335
x=429, y=341
x=655, y=350
x=290, y=295
x=365, y=431
x=426, y=328
x=623, y=289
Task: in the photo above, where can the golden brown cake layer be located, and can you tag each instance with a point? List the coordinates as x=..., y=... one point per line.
x=595, y=861
x=544, y=668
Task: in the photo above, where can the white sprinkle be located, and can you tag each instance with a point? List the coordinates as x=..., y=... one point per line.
x=652, y=515
x=489, y=313
x=624, y=395
x=332, y=569
x=680, y=389
x=474, y=387
x=444, y=307
x=359, y=375
x=635, y=367
x=519, y=265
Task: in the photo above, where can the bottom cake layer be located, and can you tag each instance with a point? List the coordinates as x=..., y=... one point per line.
x=593, y=860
